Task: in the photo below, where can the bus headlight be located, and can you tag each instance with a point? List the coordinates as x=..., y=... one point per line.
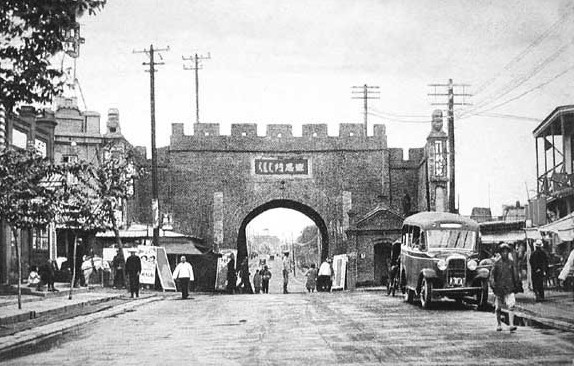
x=441, y=264
x=472, y=265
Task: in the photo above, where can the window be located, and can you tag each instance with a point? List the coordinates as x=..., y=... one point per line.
x=40, y=239
x=451, y=239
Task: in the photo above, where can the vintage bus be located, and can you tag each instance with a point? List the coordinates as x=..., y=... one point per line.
x=440, y=258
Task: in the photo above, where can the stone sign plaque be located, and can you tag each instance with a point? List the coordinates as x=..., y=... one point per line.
x=282, y=166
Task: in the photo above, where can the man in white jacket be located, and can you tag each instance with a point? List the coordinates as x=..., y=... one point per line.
x=184, y=273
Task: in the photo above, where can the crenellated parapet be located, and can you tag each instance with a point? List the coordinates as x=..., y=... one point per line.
x=415, y=157
x=244, y=137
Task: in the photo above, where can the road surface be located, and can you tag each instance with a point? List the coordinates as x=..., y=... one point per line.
x=303, y=329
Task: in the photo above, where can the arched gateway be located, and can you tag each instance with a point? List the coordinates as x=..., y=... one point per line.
x=213, y=185
x=282, y=203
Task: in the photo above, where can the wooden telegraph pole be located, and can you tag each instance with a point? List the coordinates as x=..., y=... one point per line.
x=451, y=150
x=155, y=197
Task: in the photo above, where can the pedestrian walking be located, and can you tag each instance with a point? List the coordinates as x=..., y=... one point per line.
x=286, y=265
x=87, y=268
x=539, y=268
x=133, y=270
x=311, y=275
x=118, y=264
x=265, y=277
x=183, y=273
x=324, y=281
x=231, y=275
x=503, y=281
x=245, y=284
x=257, y=282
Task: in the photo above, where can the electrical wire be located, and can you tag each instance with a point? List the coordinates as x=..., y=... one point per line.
x=534, y=44
x=518, y=81
x=395, y=119
x=537, y=87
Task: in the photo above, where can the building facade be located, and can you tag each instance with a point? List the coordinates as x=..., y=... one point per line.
x=27, y=128
x=78, y=138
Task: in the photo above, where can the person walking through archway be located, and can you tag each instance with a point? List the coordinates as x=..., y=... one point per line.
x=133, y=270
x=231, y=275
x=286, y=265
x=183, y=273
x=311, y=275
x=245, y=285
x=325, y=273
x=265, y=277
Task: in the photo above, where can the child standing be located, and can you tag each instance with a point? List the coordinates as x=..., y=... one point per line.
x=311, y=278
x=257, y=281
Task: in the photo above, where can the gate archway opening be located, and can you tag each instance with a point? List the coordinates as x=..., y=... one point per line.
x=242, y=247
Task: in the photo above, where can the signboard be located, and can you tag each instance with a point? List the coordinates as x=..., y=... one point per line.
x=221, y=274
x=282, y=166
x=148, y=257
x=340, y=271
x=163, y=270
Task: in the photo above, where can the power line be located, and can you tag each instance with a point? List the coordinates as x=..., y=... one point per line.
x=537, y=87
x=368, y=92
x=537, y=42
x=396, y=119
x=196, y=66
x=518, y=81
x=395, y=115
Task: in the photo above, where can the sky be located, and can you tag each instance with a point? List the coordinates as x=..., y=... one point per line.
x=296, y=62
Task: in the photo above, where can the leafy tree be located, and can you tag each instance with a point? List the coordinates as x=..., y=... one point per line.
x=32, y=32
x=28, y=200
x=95, y=196
x=79, y=210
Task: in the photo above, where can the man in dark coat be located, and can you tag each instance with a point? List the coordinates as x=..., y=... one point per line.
x=133, y=270
x=118, y=264
x=539, y=267
x=231, y=275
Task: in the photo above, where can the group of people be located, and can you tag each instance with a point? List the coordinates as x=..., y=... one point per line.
x=320, y=279
x=238, y=279
x=44, y=275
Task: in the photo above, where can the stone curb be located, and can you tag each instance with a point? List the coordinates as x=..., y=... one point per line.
x=32, y=314
x=25, y=341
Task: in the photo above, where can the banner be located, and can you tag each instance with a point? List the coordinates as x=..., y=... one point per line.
x=148, y=257
x=340, y=271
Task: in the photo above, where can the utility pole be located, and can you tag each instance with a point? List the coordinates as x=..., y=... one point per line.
x=451, y=151
x=155, y=197
x=367, y=92
x=196, y=66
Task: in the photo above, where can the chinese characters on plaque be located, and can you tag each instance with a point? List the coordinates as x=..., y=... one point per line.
x=278, y=166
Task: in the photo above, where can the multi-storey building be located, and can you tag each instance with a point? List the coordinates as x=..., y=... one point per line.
x=28, y=128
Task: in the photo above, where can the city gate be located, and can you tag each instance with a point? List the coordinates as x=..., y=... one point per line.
x=213, y=185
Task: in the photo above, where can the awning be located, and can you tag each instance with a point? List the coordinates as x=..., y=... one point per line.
x=508, y=237
x=533, y=234
x=563, y=227
x=180, y=248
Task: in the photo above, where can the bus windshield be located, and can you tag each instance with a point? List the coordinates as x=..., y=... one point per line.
x=451, y=239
